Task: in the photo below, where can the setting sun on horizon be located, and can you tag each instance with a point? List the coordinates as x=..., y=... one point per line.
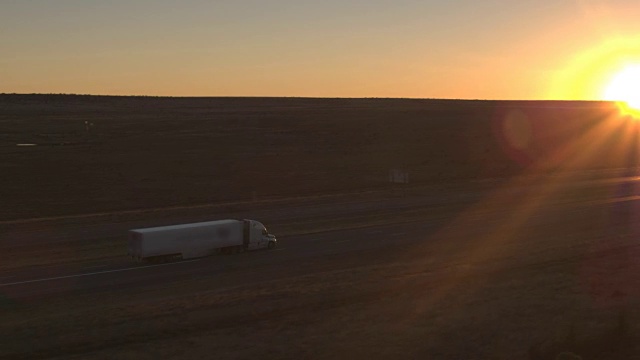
x=625, y=88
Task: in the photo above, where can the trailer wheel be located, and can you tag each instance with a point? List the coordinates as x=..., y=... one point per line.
x=271, y=245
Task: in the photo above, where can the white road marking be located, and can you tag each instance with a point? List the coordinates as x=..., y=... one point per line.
x=94, y=273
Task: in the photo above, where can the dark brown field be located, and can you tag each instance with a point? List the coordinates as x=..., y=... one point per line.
x=516, y=236
x=97, y=154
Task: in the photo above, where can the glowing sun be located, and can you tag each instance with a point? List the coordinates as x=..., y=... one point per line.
x=625, y=87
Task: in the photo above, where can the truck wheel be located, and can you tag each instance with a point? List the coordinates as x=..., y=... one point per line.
x=271, y=245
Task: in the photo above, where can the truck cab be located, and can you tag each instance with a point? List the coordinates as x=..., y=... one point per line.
x=256, y=236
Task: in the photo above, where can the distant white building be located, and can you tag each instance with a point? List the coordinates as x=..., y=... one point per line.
x=398, y=176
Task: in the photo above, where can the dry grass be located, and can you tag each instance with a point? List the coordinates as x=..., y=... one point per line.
x=223, y=149
x=362, y=312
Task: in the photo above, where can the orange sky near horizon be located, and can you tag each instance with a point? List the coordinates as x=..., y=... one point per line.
x=351, y=48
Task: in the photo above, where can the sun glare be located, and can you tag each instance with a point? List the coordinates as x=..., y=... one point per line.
x=607, y=71
x=624, y=87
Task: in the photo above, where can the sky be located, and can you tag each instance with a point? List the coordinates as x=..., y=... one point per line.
x=456, y=49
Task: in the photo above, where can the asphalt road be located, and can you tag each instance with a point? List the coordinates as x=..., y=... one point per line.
x=524, y=231
x=86, y=228
x=247, y=267
x=382, y=242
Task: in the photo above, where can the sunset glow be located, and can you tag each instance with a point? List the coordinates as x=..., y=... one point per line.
x=404, y=48
x=609, y=70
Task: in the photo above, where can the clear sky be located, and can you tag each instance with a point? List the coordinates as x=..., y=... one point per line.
x=524, y=49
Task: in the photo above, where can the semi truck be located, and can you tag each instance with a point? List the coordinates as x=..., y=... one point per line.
x=188, y=241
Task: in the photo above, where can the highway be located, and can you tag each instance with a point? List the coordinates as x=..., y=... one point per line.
x=435, y=241
x=292, y=249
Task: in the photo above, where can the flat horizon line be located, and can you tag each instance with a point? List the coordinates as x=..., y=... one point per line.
x=303, y=97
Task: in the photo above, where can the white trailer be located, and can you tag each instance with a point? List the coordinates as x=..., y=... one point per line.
x=189, y=241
